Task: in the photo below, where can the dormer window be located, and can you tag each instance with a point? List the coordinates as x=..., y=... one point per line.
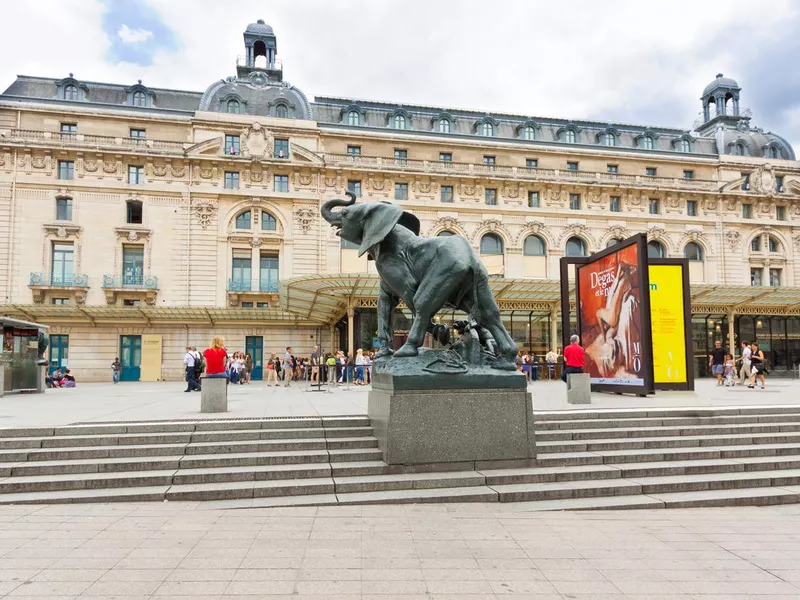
x=399, y=122
x=233, y=107
x=444, y=126
x=568, y=134
x=353, y=118
x=139, y=99
x=647, y=142
x=528, y=133
x=442, y=123
x=487, y=129
x=281, y=111
x=609, y=139
x=71, y=92
x=138, y=95
x=684, y=146
x=739, y=149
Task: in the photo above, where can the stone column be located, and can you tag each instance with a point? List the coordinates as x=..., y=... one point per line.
x=553, y=327
x=333, y=334
x=731, y=334
x=350, y=341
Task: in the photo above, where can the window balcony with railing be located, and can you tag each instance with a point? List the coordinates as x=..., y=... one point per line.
x=130, y=282
x=239, y=285
x=59, y=280
x=96, y=141
x=268, y=285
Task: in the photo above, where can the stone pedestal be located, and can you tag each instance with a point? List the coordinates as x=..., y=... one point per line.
x=422, y=418
x=579, y=388
x=214, y=395
x=41, y=375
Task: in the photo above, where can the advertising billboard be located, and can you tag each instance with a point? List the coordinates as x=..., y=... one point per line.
x=673, y=367
x=613, y=317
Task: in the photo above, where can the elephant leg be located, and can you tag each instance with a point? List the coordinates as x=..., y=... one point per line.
x=386, y=304
x=431, y=295
x=490, y=319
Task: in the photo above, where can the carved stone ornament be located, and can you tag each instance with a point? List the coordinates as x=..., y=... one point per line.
x=445, y=224
x=733, y=237
x=177, y=170
x=255, y=242
x=256, y=176
x=205, y=211
x=256, y=142
x=796, y=239
x=2, y=160
x=305, y=179
x=110, y=167
x=534, y=227
x=762, y=180
x=38, y=162
x=90, y=166
x=304, y=216
x=206, y=173
x=132, y=234
x=159, y=170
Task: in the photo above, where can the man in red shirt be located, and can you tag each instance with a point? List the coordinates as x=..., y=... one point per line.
x=574, y=358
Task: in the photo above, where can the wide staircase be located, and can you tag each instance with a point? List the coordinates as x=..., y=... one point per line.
x=587, y=459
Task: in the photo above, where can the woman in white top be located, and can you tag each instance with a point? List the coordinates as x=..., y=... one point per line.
x=359, y=367
x=367, y=368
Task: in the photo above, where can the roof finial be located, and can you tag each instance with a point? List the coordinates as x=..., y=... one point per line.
x=719, y=75
x=260, y=21
x=140, y=82
x=71, y=75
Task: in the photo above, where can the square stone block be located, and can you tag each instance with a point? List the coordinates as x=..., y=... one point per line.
x=579, y=389
x=452, y=425
x=214, y=395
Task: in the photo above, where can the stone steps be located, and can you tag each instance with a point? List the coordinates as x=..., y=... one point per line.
x=623, y=458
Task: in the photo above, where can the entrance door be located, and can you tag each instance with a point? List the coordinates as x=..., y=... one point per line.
x=130, y=355
x=59, y=352
x=254, y=345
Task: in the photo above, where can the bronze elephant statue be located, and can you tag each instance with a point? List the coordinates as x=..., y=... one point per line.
x=428, y=274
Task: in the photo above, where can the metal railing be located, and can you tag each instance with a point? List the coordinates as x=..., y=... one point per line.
x=130, y=282
x=59, y=280
x=268, y=285
x=82, y=139
x=239, y=285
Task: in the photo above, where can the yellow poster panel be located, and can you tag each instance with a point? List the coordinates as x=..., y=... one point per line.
x=151, y=358
x=667, y=320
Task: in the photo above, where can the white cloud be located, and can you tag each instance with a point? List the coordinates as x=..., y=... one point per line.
x=133, y=36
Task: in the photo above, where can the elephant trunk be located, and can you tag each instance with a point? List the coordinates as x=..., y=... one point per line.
x=334, y=218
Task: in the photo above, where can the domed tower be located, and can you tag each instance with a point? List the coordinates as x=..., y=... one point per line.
x=260, y=41
x=721, y=101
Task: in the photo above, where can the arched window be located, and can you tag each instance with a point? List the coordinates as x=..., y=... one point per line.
x=491, y=244
x=445, y=233
x=569, y=136
x=647, y=142
x=444, y=126
x=243, y=220
x=529, y=133
x=609, y=139
x=268, y=222
x=234, y=107
x=71, y=92
x=353, y=118
x=139, y=98
x=281, y=111
x=534, y=246
x=772, y=152
x=655, y=249
x=612, y=241
x=774, y=244
x=575, y=247
x=693, y=252
x=684, y=146
x=487, y=129
x=755, y=245
x=399, y=122
x=739, y=149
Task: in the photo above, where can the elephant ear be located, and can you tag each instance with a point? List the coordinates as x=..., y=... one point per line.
x=380, y=220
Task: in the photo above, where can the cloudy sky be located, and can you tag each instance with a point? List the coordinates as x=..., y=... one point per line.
x=629, y=61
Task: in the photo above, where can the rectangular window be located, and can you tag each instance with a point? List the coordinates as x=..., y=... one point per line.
x=650, y=171
x=60, y=301
x=612, y=168
x=281, y=148
x=775, y=277
x=747, y=211
x=281, y=183
x=778, y=183
x=780, y=213
x=241, y=272
x=268, y=273
x=755, y=277
x=572, y=166
x=129, y=302
x=688, y=174
x=614, y=204
x=63, y=209
x=401, y=156
x=138, y=136
x=354, y=150
x=691, y=208
x=247, y=305
x=63, y=260
x=262, y=304
x=133, y=212
x=66, y=169
x=575, y=201
x=445, y=157
x=132, y=265
x=354, y=185
x=231, y=180
x=746, y=182
x=654, y=206
x=533, y=199
x=69, y=127
x=532, y=163
x=401, y=191
x=491, y=196
x=135, y=174
x=489, y=160
x=232, y=145
x=447, y=193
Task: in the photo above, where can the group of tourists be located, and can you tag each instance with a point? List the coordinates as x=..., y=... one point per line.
x=535, y=368
x=749, y=368
x=60, y=379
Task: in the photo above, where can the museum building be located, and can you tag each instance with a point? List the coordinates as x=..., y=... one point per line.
x=136, y=220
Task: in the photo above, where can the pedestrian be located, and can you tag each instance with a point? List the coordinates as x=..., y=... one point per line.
x=574, y=358
x=551, y=358
x=116, y=370
x=233, y=371
x=248, y=367
x=534, y=360
x=330, y=362
x=339, y=366
x=744, y=359
x=272, y=370
x=288, y=366
x=315, y=365
x=189, y=359
x=716, y=361
x=216, y=358
x=525, y=360
x=730, y=370
x=359, y=379
x=758, y=368
x=199, y=366
x=368, y=367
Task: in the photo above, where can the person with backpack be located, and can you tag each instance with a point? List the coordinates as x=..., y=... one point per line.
x=189, y=360
x=199, y=366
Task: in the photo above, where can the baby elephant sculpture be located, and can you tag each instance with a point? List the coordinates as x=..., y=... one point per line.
x=427, y=273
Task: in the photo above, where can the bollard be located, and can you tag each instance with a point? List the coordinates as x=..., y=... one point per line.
x=214, y=394
x=579, y=389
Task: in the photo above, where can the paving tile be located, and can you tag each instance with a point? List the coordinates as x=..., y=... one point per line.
x=39, y=589
x=327, y=587
x=69, y=575
x=393, y=587
x=191, y=588
x=122, y=588
x=458, y=587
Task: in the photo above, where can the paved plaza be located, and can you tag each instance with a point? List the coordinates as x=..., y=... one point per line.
x=425, y=552
x=97, y=402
